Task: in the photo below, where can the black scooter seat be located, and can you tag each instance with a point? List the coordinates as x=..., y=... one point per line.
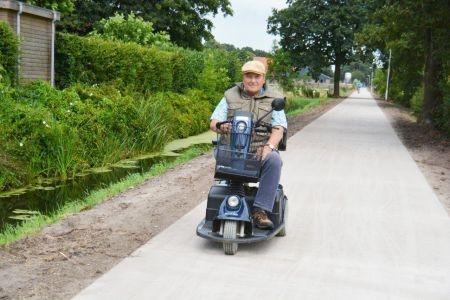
x=205, y=230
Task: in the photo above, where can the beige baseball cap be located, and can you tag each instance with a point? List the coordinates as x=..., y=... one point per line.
x=254, y=66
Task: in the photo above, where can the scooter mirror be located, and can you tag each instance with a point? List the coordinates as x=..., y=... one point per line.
x=278, y=104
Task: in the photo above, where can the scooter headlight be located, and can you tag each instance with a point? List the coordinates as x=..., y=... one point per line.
x=241, y=127
x=233, y=201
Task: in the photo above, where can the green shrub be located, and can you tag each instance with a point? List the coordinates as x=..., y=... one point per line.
x=214, y=79
x=115, y=125
x=189, y=113
x=379, y=81
x=33, y=129
x=416, y=101
x=309, y=92
x=48, y=132
x=187, y=67
x=130, y=29
x=9, y=51
x=395, y=91
x=144, y=69
x=63, y=6
x=281, y=70
x=120, y=100
x=329, y=93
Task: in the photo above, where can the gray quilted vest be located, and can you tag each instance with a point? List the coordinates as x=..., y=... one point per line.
x=238, y=99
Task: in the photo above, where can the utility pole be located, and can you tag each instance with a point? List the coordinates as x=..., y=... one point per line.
x=388, y=74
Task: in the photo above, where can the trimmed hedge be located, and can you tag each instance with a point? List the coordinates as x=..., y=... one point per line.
x=92, y=60
x=144, y=69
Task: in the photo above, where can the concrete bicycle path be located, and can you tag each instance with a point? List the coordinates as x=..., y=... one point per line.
x=363, y=224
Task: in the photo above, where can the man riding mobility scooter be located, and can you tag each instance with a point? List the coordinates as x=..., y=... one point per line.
x=238, y=163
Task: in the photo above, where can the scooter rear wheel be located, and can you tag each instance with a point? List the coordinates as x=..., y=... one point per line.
x=230, y=232
x=282, y=232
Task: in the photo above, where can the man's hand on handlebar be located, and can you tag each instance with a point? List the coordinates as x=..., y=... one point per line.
x=225, y=127
x=263, y=127
x=220, y=127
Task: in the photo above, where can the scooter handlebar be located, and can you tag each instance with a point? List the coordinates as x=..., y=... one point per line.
x=218, y=124
x=263, y=127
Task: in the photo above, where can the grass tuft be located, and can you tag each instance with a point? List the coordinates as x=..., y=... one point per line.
x=300, y=105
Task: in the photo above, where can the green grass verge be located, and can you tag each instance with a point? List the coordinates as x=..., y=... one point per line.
x=300, y=105
x=36, y=223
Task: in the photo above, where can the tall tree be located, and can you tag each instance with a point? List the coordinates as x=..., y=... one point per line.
x=184, y=20
x=319, y=33
x=418, y=34
x=63, y=6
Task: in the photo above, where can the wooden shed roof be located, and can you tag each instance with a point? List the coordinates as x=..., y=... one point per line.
x=30, y=9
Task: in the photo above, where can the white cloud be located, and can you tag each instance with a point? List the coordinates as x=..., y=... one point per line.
x=248, y=25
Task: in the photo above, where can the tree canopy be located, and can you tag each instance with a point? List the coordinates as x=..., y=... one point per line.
x=417, y=33
x=185, y=21
x=318, y=33
x=130, y=29
x=63, y=6
x=359, y=70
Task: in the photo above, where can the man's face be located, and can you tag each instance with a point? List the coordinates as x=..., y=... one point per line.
x=253, y=83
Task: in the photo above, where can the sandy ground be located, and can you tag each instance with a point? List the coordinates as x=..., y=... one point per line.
x=67, y=256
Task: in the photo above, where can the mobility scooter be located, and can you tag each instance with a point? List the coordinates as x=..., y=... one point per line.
x=238, y=164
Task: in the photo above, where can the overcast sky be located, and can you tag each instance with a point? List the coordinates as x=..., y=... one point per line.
x=248, y=25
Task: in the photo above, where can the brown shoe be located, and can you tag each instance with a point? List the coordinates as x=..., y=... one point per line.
x=261, y=220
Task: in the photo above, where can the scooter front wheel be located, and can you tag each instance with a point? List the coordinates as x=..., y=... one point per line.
x=230, y=232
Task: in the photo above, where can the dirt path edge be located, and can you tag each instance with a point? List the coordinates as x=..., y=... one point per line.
x=429, y=148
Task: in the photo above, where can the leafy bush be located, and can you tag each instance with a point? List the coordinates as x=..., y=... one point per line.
x=417, y=101
x=309, y=92
x=130, y=29
x=94, y=61
x=281, y=70
x=120, y=99
x=144, y=69
x=9, y=51
x=48, y=132
x=379, y=81
x=32, y=130
x=188, y=113
x=187, y=67
x=214, y=79
x=63, y=6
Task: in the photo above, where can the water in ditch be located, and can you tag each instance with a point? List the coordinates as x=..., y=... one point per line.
x=52, y=194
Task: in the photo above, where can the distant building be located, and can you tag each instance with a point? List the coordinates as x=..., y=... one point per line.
x=303, y=71
x=324, y=78
x=35, y=27
x=347, y=77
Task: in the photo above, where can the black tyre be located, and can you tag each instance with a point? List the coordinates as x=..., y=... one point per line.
x=230, y=232
x=282, y=232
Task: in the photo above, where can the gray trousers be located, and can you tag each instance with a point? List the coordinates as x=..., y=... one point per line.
x=268, y=181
